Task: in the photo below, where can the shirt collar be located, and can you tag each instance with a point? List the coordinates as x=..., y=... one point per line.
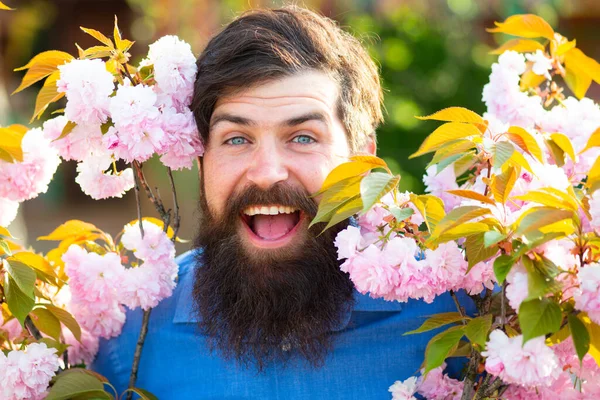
x=184, y=313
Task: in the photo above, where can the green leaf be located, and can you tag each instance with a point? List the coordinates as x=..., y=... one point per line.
x=67, y=319
x=449, y=132
x=459, y=216
x=46, y=322
x=557, y=153
x=23, y=275
x=490, y=238
x=430, y=207
x=476, y=250
x=581, y=337
x=401, y=213
x=441, y=346
x=76, y=383
x=539, y=317
x=437, y=320
x=540, y=282
x=4, y=247
x=66, y=130
x=539, y=217
x=502, y=153
x=144, y=394
x=477, y=329
x=502, y=266
x=19, y=303
x=348, y=208
x=335, y=196
x=376, y=185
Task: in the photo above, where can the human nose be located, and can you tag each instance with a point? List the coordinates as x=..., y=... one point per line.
x=268, y=166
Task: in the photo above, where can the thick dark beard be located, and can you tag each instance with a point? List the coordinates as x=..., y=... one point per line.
x=259, y=310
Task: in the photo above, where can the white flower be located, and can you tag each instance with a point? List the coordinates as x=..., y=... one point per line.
x=8, y=211
x=404, y=390
x=99, y=184
x=541, y=63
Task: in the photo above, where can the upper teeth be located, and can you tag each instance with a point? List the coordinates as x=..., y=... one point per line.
x=269, y=210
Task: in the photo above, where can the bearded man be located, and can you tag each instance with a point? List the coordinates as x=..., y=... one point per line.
x=262, y=310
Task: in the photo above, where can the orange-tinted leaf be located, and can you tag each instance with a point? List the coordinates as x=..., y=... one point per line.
x=446, y=133
x=577, y=80
x=503, y=184
x=69, y=229
x=594, y=175
x=525, y=25
x=5, y=7
x=48, y=94
x=564, y=47
x=455, y=114
x=519, y=45
x=517, y=159
x=10, y=141
x=525, y=141
x=564, y=143
x=531, y=80
x=41, y=66
x=471, y=194
x=97, y=52
x=594, y=141
x=351, y=169
x=98, y=36
x=587, y=64
x=117, y=35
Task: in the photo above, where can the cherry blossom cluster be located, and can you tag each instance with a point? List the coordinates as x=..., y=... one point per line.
x=392, y=263
x=20, y=181
x=129, y=122
x=386, y=264
x=100, y=285
x=25, y=374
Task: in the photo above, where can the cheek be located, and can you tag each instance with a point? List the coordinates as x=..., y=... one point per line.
x=312, y=171
x=219, y=181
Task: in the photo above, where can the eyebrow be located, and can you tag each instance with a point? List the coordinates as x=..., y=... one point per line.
x=236, y=119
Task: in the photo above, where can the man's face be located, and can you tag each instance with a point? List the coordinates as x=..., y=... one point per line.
x=284, y=132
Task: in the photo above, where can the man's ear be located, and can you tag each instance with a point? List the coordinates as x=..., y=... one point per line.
x=370, y=147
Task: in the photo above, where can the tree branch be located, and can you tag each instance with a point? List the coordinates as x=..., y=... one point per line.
x=138, y=351
x=33, y=330
x=176, y=216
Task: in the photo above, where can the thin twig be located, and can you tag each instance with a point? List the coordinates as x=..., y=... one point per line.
x=503, y=306
x=176, y=216
x=32, y=328
x=137, y=199
x=138, y=351
x=156, y=201
x=460, y=309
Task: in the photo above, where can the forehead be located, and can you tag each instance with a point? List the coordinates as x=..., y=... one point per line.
x=275, y=100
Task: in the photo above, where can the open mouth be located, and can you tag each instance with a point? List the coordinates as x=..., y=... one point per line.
x=271, y=224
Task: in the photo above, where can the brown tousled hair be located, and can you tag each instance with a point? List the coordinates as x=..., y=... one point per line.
x=262, y=45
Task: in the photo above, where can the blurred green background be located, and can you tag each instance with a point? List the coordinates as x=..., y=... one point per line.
x=432, y=54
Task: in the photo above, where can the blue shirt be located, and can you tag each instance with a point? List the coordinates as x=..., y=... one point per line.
x=369, y=353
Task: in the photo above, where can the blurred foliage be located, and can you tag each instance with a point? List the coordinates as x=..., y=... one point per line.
x=425, y=66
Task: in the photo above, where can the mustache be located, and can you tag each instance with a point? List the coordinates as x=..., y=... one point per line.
x=280, y=193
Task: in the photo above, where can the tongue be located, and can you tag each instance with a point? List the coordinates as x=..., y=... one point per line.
x=271, y=227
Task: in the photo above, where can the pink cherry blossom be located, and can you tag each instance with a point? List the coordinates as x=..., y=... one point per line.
x=24, y=180
x=503, y=96
x=439, y=386
x=138, y=132
x=154, y=246
x=25, y=374
x=347, y=242
x=480, y=277
x=370, y=274
x=587, y=296
x=98, y=183
x=182, y=137
x=79, y=144
x=517, y=288
x=174, y=69
x=531, y=364
x=438, y=183
x=83, y=352
x=87, y=85
x=147, y=285
x=447, y=265
x=404, y=390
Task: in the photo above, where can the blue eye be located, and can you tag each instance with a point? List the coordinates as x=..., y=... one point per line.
x=236, y=141
x=303, y=139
